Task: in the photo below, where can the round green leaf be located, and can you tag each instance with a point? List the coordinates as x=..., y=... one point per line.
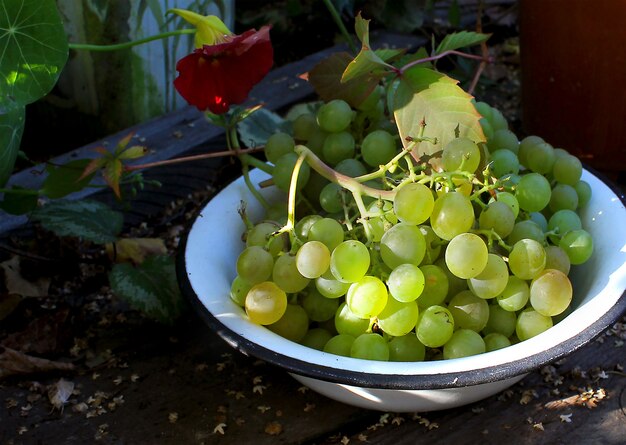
x=33, y=48
x=11, y=129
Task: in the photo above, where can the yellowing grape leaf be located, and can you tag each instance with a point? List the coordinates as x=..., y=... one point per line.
x=425, y=95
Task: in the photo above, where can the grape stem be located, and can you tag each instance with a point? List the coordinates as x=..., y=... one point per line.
x=289, y=227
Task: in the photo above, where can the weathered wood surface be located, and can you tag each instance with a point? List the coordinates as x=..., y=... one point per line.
x=148, y=384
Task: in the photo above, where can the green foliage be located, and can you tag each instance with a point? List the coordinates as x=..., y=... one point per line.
x=459, y=40
x=150, y=287
x=20, y=201
x=255, y=129
x=90, y=220
x=65, y=179
x=12, y=116
x=424, y=95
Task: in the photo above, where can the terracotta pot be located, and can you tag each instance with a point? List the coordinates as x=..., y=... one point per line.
x=573, y=77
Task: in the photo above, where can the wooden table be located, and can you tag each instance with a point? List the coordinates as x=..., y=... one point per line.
x=147, y=384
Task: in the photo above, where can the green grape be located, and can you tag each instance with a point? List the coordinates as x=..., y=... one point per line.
x=328, y=231
x=531, y=323
x=484, y=109
x=509, y=199
x=283, y=170
x=370, y=347
x=469, y=311
x=372, y=100
x=460, y=154
x=316, y=338
x=406, y=282
x=503, y=162
x=497, y=120
x=578, y=245
x=435, y=326
x=433, y=245
x=503, y=139
x=277, y=213
x=452, y=215
x=314, y=186
x=398, y=318
x=492, y=280
x=367, y=297
x=381, y=218
x=286, y=276
x=265, y=303
x=329, y=287
x=264, y=235
x=293, y=325
x=304, y=126
x=583, y=189
x=556, y=258
x=413, y=203
x=540, y=158
x=567, y=169
x=525, y=146
x=515, y=295
x=495, y=341
x=238, y=290
x=526, y=229
x=463, y=343
x=315, y=142
x=331, y=198
x=346, y=322
x=255, y=264
x=338, y=147
x=304, y=225
x=550, y=292
x=406, y=348
x=378, y=148
x=340, y=344
x=560, y=152
x=466, y=255
x=533, y=192
x=455, y=284
x=436, y=286
x=561, y=222
x=312, y=259
x=317, y=307
x=351, y=167
x=277, y=145
x=563, y=197
x=500, y=320
x=403, y=243
x=349, y=261
x=539, y=219
x=334, y=116
x=497, y=216
x=527, y=259
x=487, y=128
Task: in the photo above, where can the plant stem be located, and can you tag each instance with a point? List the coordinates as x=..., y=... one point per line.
x=233, y=144
x=20, y=191
x=217, y=154
x=340, y=25
x=451, y=52
x=125, y=45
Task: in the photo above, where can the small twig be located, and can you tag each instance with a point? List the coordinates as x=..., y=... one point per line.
x=450, y=52
x=483, y=48
x=217, y=154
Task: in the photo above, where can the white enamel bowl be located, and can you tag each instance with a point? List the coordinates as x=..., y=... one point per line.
x=206, y=268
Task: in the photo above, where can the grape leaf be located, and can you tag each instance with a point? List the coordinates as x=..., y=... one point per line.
x=430, y=96
x=33, y=48
x=326, y=79
x=150, y=287
x=65, y=179
x=460, y=39
x=12, y=116
x=87, y=219
x=255, y=130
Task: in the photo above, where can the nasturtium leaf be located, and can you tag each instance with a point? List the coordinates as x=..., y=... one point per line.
x=12, y=116
x=430, y=96
x=17, y=203
x=255, y=130
x=33, y=48
x=460, y=39
x=86, y=219
x=66, y=178
x=150, y=287
x=326, y=80
x=367, y=60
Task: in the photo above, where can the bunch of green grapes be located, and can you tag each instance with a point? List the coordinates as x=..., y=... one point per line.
x=444, y=264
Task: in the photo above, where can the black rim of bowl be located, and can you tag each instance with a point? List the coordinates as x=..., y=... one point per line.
x=484, y=375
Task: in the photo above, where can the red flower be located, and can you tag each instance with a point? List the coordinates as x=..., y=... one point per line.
x=217, y=76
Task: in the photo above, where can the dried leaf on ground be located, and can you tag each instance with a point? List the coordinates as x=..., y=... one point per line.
x=60, y=392
x=13, y=362
x=17, y=285
x=43, y=335
x=135, y=250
